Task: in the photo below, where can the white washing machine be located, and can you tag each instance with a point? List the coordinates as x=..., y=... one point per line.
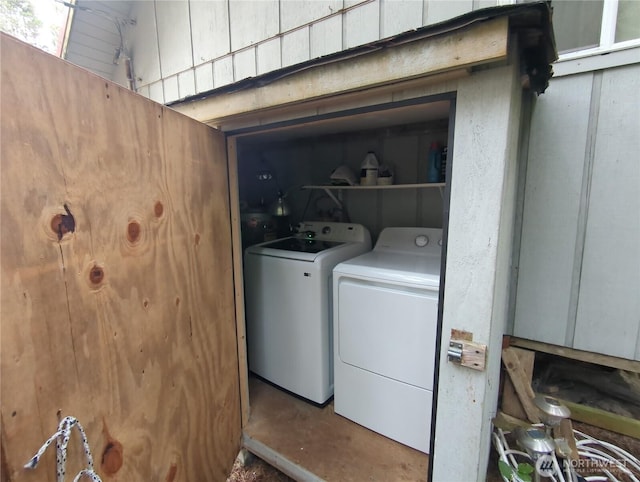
x=288, y=305
x=385, y=318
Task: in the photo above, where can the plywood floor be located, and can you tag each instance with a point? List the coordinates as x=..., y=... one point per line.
x=326, y=444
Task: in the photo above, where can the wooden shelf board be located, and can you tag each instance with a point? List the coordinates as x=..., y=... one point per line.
x=304, y=438
x=331, y=187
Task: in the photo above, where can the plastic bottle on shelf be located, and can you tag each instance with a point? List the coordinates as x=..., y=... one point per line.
x=369, y=170
x=443, y=165
x=434, y=164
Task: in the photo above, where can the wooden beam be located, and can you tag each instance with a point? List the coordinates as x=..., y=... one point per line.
x=511, y=404
x=437, y=83
x=238, y=279
x=479, y=44
x=521, y=384
x=508, y=423
x=277, y=460
x=603, y=419
x=585, y=356
x=565, y=431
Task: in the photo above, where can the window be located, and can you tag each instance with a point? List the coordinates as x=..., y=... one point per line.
x=595, y=24
x=628, y=24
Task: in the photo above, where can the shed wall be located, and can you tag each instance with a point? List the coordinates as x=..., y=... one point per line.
x=481, y=221
x=579, y=267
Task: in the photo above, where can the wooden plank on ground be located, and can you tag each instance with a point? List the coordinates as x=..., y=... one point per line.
x=117, y=286
x=603, y=419
x=565, y=431
x=507, y=422
x=521, y=384
x=511, y=404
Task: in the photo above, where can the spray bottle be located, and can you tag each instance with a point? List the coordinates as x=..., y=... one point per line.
x=435, y=160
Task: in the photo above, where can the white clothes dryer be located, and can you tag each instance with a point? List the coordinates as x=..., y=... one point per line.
x=385, y=325
x=288, y=305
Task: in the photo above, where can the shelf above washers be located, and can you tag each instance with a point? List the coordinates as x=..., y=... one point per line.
x=330, y=187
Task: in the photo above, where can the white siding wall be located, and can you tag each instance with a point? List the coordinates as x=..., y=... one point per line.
x=477, y=273
x=579, y=271
x=180, y=48
x=209, y=30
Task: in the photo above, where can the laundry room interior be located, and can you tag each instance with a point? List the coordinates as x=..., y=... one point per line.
x=284, y=178
x=288, y=161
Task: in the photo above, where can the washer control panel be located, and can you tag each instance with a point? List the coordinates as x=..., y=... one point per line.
x=331, y=231
x=423, y=241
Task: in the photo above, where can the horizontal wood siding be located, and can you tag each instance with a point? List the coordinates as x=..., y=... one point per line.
x=294, y=13
x=262, y=36
x=209, y=30
x=482, y=43
x=441, y=10
x=173, y=22
x=145, y=50
x=94, y=36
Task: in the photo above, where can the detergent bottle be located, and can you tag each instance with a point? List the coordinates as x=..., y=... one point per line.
x=369, y=170
x=434, y=164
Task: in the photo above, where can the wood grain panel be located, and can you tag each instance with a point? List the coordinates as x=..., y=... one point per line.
x=126, y=322
x=325, y=444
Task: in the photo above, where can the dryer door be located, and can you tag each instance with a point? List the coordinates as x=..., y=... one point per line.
x=388, y=329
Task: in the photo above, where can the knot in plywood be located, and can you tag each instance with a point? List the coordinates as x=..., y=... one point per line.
x=134, y=233
x=158, y=209
x=95, y=275
x=112, y=455
x=62, y=224
x=58, y=222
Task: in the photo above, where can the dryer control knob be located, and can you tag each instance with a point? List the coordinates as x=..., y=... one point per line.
x=422, y=241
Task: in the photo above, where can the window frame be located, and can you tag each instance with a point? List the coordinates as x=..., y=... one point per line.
x=607, y=35
x=607, y=54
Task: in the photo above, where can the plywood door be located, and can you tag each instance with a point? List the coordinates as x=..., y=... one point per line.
x=117, y=287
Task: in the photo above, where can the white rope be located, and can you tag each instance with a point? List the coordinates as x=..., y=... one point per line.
x=61, y=437
x=618, y=458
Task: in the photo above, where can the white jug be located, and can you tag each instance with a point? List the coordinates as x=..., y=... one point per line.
x=369, y=170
